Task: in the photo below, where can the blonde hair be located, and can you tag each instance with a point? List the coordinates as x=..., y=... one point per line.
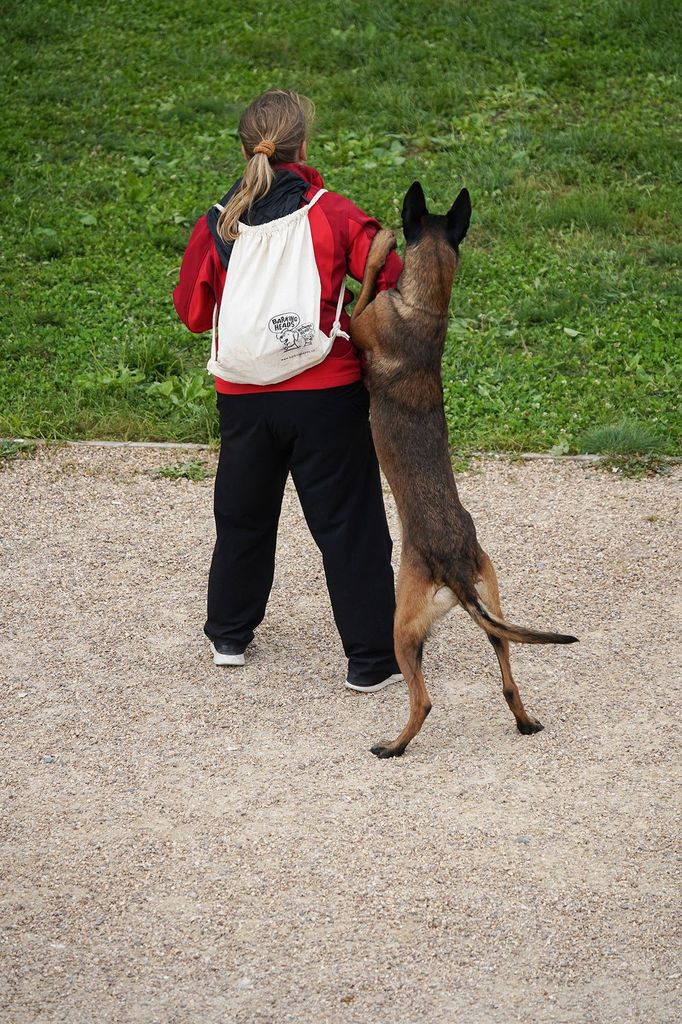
x=272, y=128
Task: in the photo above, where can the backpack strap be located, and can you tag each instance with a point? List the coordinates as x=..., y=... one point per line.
x=214, y=332
x=318, y=195
x=336, y=331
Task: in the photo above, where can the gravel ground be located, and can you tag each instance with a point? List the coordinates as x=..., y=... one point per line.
x=188, y=844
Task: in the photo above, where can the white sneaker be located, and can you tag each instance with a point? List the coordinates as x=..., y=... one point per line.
x=226, y=654
x=397, y=678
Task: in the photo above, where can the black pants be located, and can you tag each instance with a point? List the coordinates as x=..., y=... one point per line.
x=323, y=439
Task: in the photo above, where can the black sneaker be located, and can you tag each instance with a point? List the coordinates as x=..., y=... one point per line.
x=227, y=653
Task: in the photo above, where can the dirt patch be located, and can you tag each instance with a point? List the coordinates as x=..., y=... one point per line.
x=183, y=843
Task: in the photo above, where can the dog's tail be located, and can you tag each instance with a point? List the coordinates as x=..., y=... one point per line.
x=495, y=626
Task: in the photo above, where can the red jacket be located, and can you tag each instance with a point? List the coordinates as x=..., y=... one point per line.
x=341, y=235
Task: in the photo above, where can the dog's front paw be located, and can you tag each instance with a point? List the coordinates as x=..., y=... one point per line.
x=529, y=727
x=382, y=243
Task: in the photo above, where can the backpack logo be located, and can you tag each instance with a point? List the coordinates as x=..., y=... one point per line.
x=290, y=332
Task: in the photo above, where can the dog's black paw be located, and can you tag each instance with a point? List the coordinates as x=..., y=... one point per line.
x=528, y=728
x=383, y=751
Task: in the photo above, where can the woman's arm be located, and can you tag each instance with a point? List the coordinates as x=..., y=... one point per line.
x=201, y=280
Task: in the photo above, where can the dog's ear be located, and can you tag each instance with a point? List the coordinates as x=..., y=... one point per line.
x=414, y=209
x=458, y=217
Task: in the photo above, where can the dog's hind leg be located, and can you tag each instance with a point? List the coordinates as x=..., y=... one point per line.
x=414, y=615
x=489, y=593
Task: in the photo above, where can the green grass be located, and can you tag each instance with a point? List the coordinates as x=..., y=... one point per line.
x=562, y=120
x=191, y=469
x=10, y=450
x=623, y=438
x=629, y=448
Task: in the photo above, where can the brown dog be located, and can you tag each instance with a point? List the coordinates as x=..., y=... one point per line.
x=442, y=564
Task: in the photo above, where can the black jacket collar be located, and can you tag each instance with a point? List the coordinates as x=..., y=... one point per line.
x=284, y=197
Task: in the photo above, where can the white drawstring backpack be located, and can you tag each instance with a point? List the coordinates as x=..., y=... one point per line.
x=268, y=324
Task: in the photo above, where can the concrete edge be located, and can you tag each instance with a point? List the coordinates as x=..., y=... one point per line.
x=192, y=446
x=181, y=445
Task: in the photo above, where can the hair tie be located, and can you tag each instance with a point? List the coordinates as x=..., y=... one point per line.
x=267, y=147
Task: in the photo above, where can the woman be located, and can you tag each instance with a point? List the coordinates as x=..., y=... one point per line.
x=313, y=425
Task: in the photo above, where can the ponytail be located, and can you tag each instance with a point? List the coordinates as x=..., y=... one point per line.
x=256, y=182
